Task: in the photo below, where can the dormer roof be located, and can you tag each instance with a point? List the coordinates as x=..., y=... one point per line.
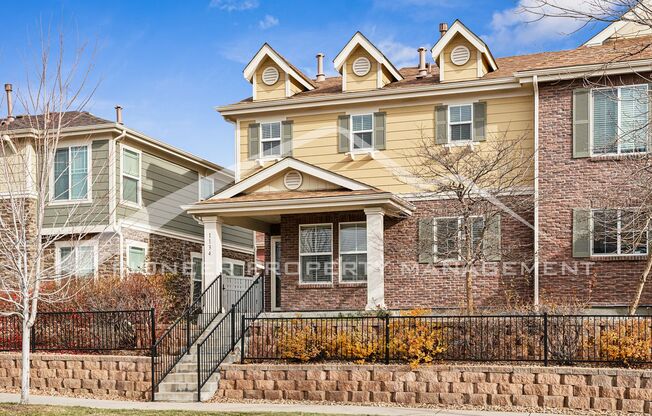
x=360, y=40
x=266, y=51
x=458, y=28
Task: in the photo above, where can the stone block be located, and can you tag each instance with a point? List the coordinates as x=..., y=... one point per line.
x=639, y=394
x=428, y=398
x=55, y=383
x=360, y=375
x=72, y=383
x=285, y=384
x=73, y=365
x=347, y=385
x=526, y=401
x=115, y=375
x=105, y=365
x=264, y=384
x=296, y=374
x=381, y=375
x=476, y=399
x=244, y=384
x=630, y=405
x=548, y=378
x=405, y=376
x=578, y=402
x=90, y=384
x=91, y=365
x=486, y=388
x=522, y=378
x=416, y=386
x=440, y=387
x=316, y=375
x=561, y=390
x=473, y=377
x=536, y=389
x=603, y=403
x=274, y=375
x=451, y=398
x=338, y=375
x=57, y=365
x=462, y=388
x=99, y=374
x=553, y=402
x=254, y=375
x=124, y=385
x=381, y=396
x=613, y=392
x=254, y=394
x=393, y=386
x=450, y=376
x=429, y=376
x=234, y=375
x=234, y=394
x=501, y=378
x=135, y=376
x=337, y=396
x=326, y=385
x=359, y=396
x=510, y=388
x=500, y=400
x=628, y=381
x=601, y=380
x=293, y=395
x=403, y=397
x=126, y=366
x=586, y=391
x=316, y=396
x=573, y=379
x=273, y=395
x=370, y=386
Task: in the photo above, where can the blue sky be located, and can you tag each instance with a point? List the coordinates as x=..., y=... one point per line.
x=169, y=63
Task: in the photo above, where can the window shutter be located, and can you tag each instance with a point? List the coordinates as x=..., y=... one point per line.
x=581, y=124
x=581, y=232
x=379, y=131
x=491, y=243
x=286, y=138
x=426, y=240
x=343, y=134
x=441, y=124
x=479, y=121
x=254, y=141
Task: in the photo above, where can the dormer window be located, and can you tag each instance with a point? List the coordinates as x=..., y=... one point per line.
x=461, y=122
x=270, y=139
x=362, y=132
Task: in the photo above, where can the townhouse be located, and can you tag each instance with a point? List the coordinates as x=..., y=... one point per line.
x=115, y=196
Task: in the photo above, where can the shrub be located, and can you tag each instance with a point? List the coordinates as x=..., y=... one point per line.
x=416, y=340
x=627, y=342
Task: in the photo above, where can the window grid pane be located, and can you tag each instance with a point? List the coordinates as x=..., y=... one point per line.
x=136, y=259
x=447, y=238
x=315, y=241
x=130, y=189
x=131, y=163
x=61, y=179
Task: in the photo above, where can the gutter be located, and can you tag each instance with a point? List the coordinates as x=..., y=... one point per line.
x=582, y=71
x=535, y=85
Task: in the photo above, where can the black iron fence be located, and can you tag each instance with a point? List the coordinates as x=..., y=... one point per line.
x=558, y=339
x=95, y=331
x=218, y=344
x=177, y=340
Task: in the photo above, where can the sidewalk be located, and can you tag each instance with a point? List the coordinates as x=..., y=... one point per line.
x=256, y=407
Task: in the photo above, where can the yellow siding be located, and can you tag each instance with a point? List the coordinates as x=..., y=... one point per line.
x=363, y=83
x=309, y=183
x=16, y=169
x=315, y=139
x=454, y=72
x=269, y=92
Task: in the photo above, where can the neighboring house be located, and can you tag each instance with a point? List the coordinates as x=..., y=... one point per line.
x=123, y=191
x=319, y=160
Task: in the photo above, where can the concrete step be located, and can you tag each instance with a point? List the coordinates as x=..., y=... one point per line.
x=180, y=387
x=181, y=378
x=183, y=397
x=185, y=368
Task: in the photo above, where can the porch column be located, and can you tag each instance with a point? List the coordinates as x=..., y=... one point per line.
x=375, y=258
x=212, y=249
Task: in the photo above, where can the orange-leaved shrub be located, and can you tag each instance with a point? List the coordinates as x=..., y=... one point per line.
x=416, y=339
x=627, y=342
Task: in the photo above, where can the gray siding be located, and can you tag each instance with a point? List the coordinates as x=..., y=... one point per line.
x=86, y=214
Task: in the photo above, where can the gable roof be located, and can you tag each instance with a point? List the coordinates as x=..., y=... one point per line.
x=68, y=119
x=267, y=51
x=637, y=12
x=289, y=163
x=358, y=39
x=458, y=27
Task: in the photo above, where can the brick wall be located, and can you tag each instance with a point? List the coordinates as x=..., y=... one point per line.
x=567, y=183
x=92, y=375
x=505, y=386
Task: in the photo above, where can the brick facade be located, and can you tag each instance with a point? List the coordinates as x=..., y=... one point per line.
x=408, y=284
x=567, y=183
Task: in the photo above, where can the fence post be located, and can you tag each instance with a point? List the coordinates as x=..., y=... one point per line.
x=188, y=331
x=153, y=364
x=199, y=372
x=152, y=322
x=545, y=339
x=387, y=339
x=242, y=339
x=32, y=336
x=262, y=285
x=233, y=340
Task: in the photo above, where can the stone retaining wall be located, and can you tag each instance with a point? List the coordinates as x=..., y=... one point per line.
x=96, y=375
x=550, y=387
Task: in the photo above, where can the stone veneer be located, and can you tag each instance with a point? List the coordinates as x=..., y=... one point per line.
x=96, y=375
x=446, y=385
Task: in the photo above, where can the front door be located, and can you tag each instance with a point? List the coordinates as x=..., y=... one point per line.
x=276, y=273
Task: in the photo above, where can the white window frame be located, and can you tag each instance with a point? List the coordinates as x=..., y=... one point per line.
x=193, y=256
x=262, y=140
x=460, y=236
x=352, y=150
x=74, y=245
x=457, y=123
x=618, y=238
x=339, y=238
x=231, y=262
x=301, y=281
x=212, y=182
x=89, y=175
x=618, y=129
x=137, y=244
x=139, y=187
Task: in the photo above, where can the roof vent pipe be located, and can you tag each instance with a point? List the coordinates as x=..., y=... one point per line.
x=443, y=28
x=118, y=114
x=10, y=103
x=320, y=67
x=423, y=71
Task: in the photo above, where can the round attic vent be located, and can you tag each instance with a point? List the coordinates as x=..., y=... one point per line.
x=361, y=66
x=460, y=55
x=292, y=180
x=270, y=75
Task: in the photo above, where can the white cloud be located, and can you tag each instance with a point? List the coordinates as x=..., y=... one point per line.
x=267, y=22
x=523, y=29
x=400, y=54
x=234, y=5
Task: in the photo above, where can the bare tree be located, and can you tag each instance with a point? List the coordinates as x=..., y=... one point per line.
x=622, y=214
x=32, y=174
x=480, y=181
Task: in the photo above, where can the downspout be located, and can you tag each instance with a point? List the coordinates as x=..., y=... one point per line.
x=535, y=86
x=117, y=228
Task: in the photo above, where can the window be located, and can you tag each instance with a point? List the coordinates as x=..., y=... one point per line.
x=449, y=236
x=206, y=188
x=233, y=268
x=136, y=256
x=76, y=260
x=131, y=181
x=197, y=272
x=362, y=132
x=353, y=252
x=270, y=141
x=620, y=118
x=71, y=179
x=316, y=253
x=618, y=232
x=460, y=122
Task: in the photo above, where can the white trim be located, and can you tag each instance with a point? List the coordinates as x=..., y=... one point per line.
x=290, y=163
x=237, y=151
x=263, y=158
x=605, y=33
x=583, y=71
x=193, y=256
x=74, y=244
x=458, y=27
x=344, y=78
x=233, y=262
x=340, y=252
x=353, y=151
x=478, y=61
x=433, y=196
x=76, y=229
x=89, y=175
x=288, y=92
x=301, y=282
x=379, y=75
x=139, y=187
x=274, y=260
x=267, y=51
x=360, y=39
x=464, y=142
x=141, y=245
x=535, y=86
x=204, y=177
x=442, y=58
